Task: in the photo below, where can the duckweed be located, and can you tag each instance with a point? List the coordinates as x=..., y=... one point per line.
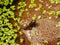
x=21, y=4
x=36, y=32
x=52, y=1
x=58, y=37
x=6, y=2
x=32, y=4
x=51, y=12
x=32, y=43
x=12, y=7
x=21, y=7
x=58, y=24
x=41, y=0
x=7, y=32
x=21, y=40
x=57, y=14
x=44, y=12
x=58, y=1
x=20, y=32
x=46, y=41
x=38, y=43
x=58, y=43
x=38, y=8
x=34, y=17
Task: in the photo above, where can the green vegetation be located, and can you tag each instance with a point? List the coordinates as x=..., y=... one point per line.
x=58, y=43
x=51, y=12
x=36, y=44
x=53, y=1
x=40, y=0
x=39, y=44
x=21, y=40
x=12, y=7
x=20, y=32
x=57, y=14
x=58, y=37
x=34, y=17
x=32, y=4
x=58, y=1
x=21, y=6
x=32, y=43
x=44, y=12
x=46, y=41
x=58, y=24
x=6, y=2
x=38, y=8
x=7, y=32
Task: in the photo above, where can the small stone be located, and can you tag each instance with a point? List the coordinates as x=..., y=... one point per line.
x=39, y=17
x=50, y=17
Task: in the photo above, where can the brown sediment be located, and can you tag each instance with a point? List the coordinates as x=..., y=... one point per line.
x=27, y=18
x=46, y=26
x=47, y=31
